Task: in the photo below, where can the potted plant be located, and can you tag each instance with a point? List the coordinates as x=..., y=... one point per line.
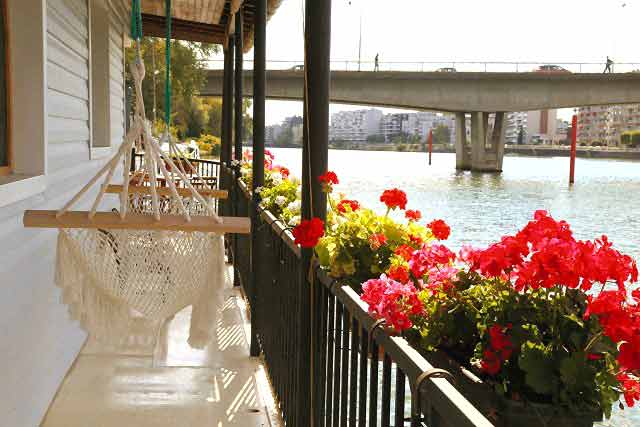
x=539, y=328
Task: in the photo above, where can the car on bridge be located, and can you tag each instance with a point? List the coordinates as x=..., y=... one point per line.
x=446, y=70
x=299, y=67
x=552, y=69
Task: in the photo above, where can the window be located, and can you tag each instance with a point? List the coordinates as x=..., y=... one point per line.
x=5, y=159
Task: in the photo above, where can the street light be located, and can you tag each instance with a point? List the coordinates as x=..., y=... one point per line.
x=360, y=38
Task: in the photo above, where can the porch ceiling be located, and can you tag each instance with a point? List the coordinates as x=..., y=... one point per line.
x=207, y=21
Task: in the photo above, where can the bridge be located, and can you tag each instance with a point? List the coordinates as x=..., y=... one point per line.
x=477, y=93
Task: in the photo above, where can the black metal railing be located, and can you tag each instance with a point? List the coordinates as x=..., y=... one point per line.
x=208, y=170
x=360, y=374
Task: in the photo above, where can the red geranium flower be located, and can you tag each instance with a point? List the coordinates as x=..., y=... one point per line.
x=398, y=273
x=440, y=229
x=377, y=240
x=269, y=154
x=328, y=179
x=416, y=240
x=308, y=232
x=394, y=198
x=284, y=172
x=405, y=251
x=490, y=362
x=630, y=387
x=413, y=215
x=500, y=341
x=344, y=204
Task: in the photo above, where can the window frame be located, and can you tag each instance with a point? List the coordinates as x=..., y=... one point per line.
x=6, y=170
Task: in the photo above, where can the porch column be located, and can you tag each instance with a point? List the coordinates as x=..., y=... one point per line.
x=225, y=125
x=228, y=106
x=238, y=87
x=238, y=134
x=259, y=83
x=314, y=203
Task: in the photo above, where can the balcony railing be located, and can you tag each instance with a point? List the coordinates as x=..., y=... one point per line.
x=315, y=334
x=207, y=170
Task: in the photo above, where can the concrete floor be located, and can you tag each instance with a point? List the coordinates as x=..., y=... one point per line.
x=171, y=385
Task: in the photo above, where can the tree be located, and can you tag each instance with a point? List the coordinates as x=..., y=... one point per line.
x=441, y=134
x=285, y=138
x=375, y=139
x=522, y=135
x=187, y=78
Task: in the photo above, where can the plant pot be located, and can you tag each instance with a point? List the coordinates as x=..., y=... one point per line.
x=504, y=412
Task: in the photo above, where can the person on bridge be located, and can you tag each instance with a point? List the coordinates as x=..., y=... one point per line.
x=376, y=66
x=609, y=67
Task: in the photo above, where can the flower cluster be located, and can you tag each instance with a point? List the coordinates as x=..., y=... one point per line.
x=394, y=199
x=308, y=232
x=499, y=350
x=545, y=254
x=393, y=301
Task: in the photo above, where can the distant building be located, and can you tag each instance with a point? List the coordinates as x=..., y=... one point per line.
x=603, y=125
x=289, y=132
x=528, y=127
x=416, y=124
x=355, y=126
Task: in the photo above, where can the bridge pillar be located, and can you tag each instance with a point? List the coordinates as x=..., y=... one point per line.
x=463, y=149
x=487, y=158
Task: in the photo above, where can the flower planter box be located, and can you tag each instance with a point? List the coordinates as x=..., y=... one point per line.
x=501, y=411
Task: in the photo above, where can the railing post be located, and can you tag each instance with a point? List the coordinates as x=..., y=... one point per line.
x=314, y=202
x=237, y=155
x=259, y=83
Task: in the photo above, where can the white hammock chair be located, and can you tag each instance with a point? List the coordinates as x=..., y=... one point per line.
x=123, y=274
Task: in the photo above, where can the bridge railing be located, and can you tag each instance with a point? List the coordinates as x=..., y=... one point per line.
x=460, y=66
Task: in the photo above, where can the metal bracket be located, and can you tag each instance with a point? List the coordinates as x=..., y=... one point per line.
x=416, y=409
x=378, y=324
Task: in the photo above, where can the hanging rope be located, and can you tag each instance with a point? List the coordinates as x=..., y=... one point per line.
x=167, y=76
x=136, y=20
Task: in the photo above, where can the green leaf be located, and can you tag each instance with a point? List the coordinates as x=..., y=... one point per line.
x=536, y=361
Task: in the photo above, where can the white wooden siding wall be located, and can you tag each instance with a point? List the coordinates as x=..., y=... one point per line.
x=117, y=15
x=38, y=341
x=68, y=82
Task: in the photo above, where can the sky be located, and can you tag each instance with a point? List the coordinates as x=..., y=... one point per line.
x=544, y=31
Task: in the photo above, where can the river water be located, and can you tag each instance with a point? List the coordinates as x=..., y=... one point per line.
x=480, y=208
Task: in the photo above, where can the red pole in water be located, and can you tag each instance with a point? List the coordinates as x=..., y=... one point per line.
x=430, y=144
x=574, y=138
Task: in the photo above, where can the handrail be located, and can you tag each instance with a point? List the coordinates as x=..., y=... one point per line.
x=431, y=65
x=460, y=412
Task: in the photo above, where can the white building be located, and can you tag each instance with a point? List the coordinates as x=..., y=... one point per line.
x=603, y=125
x=355, y=126
x=535, y=127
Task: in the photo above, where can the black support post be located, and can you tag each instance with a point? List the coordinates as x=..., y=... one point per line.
x=259, y=83
x=238, y=87
x=315, y=156
x=226, y=124
x=238, y=134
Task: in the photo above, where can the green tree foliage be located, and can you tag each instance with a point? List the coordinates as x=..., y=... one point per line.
x=187, y=78
x=441, y=135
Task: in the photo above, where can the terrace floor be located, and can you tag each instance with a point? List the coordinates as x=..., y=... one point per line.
x=173, y=385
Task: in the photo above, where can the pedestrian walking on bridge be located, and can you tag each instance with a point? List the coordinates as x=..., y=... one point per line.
x=376, y=66
x=609, y=67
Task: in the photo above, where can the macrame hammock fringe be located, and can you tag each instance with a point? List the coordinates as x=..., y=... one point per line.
x=123, y=282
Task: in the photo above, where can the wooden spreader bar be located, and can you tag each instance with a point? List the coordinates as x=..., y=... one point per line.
x=112, y=220
x=166, y=191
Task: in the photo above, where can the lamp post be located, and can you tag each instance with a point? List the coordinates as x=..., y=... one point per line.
x=359, y=39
